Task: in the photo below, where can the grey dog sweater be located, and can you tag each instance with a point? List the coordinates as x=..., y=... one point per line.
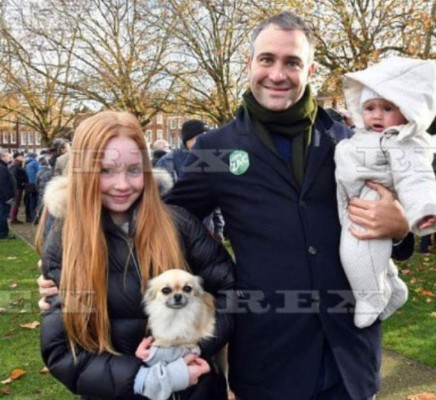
x=164, y=372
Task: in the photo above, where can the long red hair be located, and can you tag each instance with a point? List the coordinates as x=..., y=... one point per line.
x=85, y=253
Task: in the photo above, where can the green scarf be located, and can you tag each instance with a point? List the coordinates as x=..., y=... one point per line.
x=295, y=122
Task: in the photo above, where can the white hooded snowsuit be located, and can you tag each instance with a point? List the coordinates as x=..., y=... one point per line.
x=399, y=158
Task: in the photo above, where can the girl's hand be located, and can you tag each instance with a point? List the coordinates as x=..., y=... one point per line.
x=196, y=367
x=143, y=350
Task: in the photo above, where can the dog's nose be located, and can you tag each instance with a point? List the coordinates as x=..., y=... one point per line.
x=177, y=297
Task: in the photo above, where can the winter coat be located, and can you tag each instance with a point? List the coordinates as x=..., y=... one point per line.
x=43, y=177
x=106, y=376
x=19, y=174
x=61, y=164
x=408, y=83
x=401, y=157
x=293, y=293
x=173, y=162
x=32, y=167
x=7, y=183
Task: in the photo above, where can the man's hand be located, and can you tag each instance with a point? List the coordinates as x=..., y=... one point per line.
x=46, y=288
x=383, y=218
x=196, y=367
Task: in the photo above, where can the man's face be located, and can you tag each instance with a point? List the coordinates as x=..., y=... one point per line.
x=280, y=67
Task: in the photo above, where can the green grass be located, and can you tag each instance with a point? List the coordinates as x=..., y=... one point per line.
x=411, y=331
x=19, y=347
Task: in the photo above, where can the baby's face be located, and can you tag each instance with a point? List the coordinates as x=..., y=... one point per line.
x=380, y=114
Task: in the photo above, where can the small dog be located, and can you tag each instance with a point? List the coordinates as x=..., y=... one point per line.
x=180, y=312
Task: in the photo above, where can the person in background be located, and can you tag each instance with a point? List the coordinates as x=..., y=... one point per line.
x=174, y=160
x=429, y=240
x=20, y=175
x=7, y=194
x=43, y=176
x=61, y=163
x=160, y=147
x=31, y=191
x=58, y=149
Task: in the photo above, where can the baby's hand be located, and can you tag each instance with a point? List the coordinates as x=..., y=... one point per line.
x=143, y=350
x=196, y=367
x=427, y=222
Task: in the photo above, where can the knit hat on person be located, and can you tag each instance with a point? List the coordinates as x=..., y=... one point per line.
x=192, y=128
x=368, y=94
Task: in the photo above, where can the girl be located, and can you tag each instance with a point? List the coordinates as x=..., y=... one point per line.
x=112, y=236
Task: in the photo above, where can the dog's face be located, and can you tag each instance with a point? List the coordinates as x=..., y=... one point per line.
x=174, y=288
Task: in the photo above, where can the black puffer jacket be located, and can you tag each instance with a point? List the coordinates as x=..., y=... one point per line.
x=107, y=376
x=19, y=174
x=7, y=183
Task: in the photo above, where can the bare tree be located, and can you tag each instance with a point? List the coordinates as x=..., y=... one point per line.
x=352, y=34
x=118, y=56
x=210, y=46
x=29, y=72
x=186, y=55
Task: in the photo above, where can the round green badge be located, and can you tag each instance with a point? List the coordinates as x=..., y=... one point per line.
x=239, y=162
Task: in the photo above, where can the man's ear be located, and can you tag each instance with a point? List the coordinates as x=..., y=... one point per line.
x=312, y=69
x=248, y=65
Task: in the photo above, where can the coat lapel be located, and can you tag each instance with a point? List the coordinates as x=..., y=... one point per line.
x=323, y=144
x=250, y=141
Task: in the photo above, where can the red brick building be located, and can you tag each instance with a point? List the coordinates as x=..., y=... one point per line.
x=14, y=137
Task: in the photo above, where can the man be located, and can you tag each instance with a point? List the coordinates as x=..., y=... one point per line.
x=160, y=147
x=19, y=173
x=174, y=160
x=61, y=163
x=173, y=163
x=271, y=171
x=7, y=194
x=31, y=191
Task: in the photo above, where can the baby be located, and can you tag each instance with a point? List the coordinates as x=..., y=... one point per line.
x=392, y=104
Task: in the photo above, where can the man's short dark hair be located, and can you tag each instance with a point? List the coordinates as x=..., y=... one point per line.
x=286, y=21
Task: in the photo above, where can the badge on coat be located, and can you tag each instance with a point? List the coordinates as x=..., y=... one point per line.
x=239, y=162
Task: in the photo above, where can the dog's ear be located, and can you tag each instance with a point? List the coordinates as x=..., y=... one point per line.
x=198, y=282
x=209, y=300
x=150, y=293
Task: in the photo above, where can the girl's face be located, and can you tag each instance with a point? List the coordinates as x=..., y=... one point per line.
x=380, y=114
x=121, y=177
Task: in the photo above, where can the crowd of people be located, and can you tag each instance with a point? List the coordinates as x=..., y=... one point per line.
x=26, y=176
x=289, y=304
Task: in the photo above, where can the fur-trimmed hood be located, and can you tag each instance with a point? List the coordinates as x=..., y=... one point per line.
x=408, y=83
x=55, y=195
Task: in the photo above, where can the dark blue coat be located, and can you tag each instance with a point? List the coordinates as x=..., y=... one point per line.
x=293, y=293
x=7, y=183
